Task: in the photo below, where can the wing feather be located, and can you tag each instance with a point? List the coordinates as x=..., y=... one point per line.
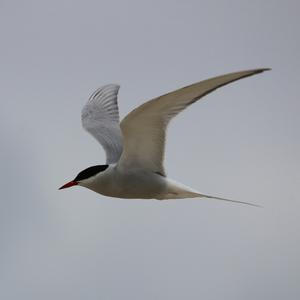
x=100, y=117
x=144, y=129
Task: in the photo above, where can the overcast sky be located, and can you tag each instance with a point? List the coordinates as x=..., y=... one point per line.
x=241, y=142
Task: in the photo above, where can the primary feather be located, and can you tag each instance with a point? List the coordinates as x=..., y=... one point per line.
x=100, y=117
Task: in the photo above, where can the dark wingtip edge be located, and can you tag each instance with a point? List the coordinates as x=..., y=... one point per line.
x=263, y=70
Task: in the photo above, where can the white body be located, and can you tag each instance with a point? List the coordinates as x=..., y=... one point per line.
x=136, y=184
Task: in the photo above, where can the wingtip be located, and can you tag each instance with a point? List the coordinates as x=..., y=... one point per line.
x=257, y=71
x=263, y=70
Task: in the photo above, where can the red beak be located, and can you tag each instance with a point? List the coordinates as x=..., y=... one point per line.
x=69, y=184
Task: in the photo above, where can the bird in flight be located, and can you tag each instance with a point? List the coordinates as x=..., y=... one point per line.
x=135, y=146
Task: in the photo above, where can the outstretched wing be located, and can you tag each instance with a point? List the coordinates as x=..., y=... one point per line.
x=100, y=117
x=144, y=129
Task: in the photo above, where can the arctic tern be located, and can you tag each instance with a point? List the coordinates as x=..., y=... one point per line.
x=135, y=146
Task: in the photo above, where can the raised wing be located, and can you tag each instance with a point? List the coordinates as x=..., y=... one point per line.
x=100, y=117
x=144, y=128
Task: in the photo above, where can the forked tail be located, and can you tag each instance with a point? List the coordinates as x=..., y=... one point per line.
x=176, y=190
x=229, y=200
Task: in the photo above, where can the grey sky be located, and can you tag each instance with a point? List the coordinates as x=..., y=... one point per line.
x=241, y=142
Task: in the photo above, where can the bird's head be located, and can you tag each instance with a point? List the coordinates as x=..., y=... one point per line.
x=85, y=177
